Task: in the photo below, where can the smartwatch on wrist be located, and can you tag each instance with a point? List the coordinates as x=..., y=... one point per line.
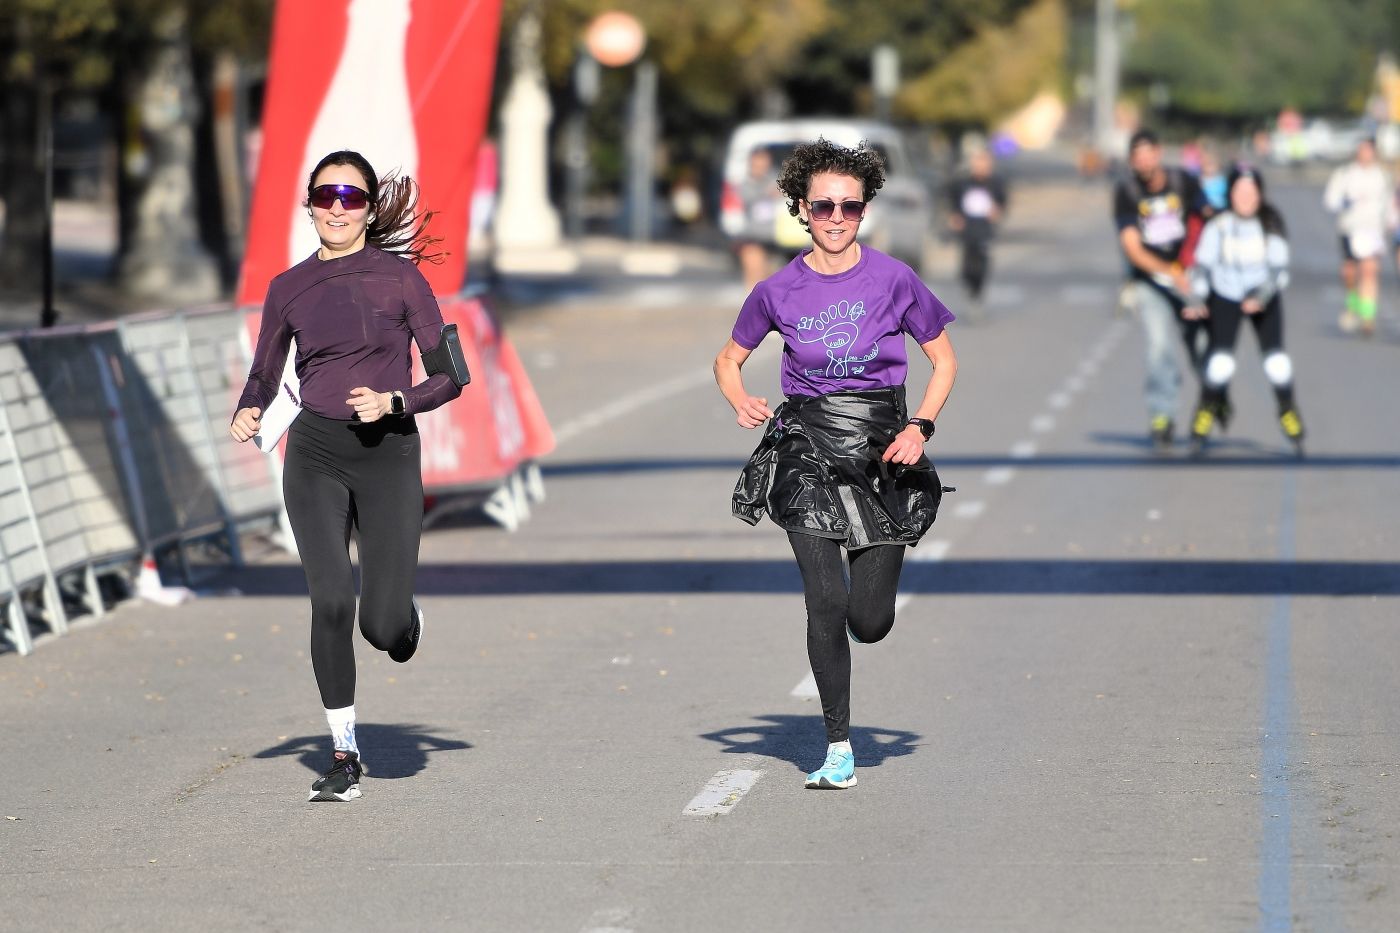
x=924, y=425
x=396, y=403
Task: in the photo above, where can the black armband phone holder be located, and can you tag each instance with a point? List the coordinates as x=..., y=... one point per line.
x=447, y=357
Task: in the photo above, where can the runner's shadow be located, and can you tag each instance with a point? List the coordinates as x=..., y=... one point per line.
x=800, y=740
x=390, y=751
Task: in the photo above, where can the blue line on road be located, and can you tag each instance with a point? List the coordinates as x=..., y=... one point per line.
x=1276, y=838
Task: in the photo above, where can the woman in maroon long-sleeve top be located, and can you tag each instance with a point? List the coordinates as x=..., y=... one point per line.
x=353, y=458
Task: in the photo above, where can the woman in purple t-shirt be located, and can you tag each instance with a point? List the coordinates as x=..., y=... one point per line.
x=841, y=463
x=353, y=455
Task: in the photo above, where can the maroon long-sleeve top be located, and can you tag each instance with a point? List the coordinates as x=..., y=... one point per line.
x=353, y=318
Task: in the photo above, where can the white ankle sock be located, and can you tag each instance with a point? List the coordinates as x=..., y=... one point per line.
x=342, y=723
x=840, y=747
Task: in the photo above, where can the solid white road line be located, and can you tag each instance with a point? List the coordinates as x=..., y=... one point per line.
x=719, y=796
x=632, y=401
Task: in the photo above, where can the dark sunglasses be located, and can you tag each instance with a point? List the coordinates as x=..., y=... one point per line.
x=823, y=209
x=350, y=197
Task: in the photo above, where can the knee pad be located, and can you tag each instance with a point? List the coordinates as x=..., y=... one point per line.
x=1278, y=368
x=1220, y=368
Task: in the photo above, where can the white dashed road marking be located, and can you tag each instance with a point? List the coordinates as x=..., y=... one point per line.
x=998, y=476
x=808, y=686
x=1022, y=450
x=723, y=792
x=969, y=509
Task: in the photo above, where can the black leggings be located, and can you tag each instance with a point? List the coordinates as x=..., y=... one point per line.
x=1226, y=318
x=344, y=474
x=867, y=607
x=976, y=262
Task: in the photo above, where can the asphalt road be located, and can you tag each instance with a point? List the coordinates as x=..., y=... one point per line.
x=1125, y=692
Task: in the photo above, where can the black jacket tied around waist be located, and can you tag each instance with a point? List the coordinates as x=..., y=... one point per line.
x=818, y=471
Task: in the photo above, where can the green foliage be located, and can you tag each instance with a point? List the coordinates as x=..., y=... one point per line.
x=710, y=55
x=834, y=74
x=996, y=71
x=81, y=39
x=1249, y=58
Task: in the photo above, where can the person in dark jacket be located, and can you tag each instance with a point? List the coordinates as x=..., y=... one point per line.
x=841, y=463
x=976, y=203
x=353, y=458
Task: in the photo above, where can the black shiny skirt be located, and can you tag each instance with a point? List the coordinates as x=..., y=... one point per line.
x=818, y=471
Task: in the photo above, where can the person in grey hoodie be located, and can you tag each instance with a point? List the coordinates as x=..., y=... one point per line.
x=1241, y=269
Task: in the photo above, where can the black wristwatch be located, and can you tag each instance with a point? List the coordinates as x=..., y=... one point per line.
x=396, y=403
x=924, y=425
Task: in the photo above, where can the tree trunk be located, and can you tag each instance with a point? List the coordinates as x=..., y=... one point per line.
x=22, y=187
x=165, y=258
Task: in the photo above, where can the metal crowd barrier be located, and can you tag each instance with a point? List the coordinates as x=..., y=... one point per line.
x=113, y=447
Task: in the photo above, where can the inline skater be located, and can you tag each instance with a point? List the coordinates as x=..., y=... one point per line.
x=1154, y=208
x=1242, y=266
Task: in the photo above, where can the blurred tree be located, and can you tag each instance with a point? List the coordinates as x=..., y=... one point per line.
x=45, y=45
x=718, y=62
x=1000, y=68
x=1247, y=59
x=111, y=49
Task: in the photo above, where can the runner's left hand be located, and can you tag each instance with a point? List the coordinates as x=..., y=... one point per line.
x=368, y=404
x=907, y=447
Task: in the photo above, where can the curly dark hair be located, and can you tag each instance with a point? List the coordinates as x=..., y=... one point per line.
x=395, y=223
x=808, y=159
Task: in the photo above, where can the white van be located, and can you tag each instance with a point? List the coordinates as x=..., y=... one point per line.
x=899, y=221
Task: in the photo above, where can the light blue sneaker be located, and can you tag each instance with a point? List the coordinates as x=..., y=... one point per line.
x=837, y=772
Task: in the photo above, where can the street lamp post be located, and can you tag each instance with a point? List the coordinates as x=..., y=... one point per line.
x=616, y=39
x=1105, y=73
x=576, y=160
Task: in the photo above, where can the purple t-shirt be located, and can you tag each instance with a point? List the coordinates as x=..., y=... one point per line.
x=353, y=318
x=843, y=332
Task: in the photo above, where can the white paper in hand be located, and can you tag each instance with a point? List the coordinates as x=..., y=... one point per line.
x=284, y=408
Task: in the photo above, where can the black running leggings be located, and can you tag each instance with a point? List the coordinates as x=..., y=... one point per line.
x=1226, y=319
x=867, y=606
x=344, y=474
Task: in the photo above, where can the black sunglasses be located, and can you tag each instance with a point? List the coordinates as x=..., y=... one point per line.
x=823, y=209
x=350, y=197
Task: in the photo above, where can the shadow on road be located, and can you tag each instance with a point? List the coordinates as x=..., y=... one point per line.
x=973, y=576
x=799, y=740
x=390, y=751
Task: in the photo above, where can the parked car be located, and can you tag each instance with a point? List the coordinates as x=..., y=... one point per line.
x=900, y=221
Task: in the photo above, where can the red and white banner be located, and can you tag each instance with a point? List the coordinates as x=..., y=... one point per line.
x=407, y=83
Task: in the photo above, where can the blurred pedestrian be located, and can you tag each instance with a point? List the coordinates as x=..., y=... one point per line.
x=759, y=195
x=841, y=464
x=1213, y=180
x=1362, y=195
x=976, y=203
x=1242, y=266
x=352, y=458
x=1155, y=208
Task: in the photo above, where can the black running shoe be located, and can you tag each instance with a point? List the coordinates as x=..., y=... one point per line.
x=341, y=781
x=406, y=648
